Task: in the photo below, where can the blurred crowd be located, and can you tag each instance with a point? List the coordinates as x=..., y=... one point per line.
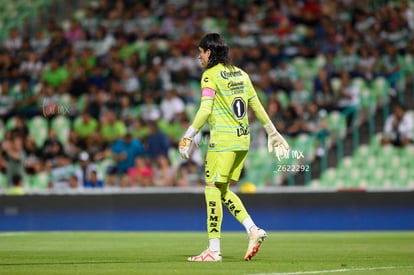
x=102, y=99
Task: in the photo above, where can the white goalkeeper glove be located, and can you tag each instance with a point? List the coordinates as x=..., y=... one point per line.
x=275, y=141
x=185, y=143
x=184, y=147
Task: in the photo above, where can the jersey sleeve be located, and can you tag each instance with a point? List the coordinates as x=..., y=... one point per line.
x=256, y=105
x=208, y=89
x=207, y=81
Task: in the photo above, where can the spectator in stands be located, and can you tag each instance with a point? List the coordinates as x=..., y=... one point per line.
x=150, y=111
x=316, y=123
x=14, y=155
x=124, y=181
x=347, y=99
x=129, y=81
x=299, y=95
x=112, y=128
x=391, y=68
x=189, y=175
x=85, y=127
x=52, y=148
x=31, y=149
x=347, y=59
x=39, y=43
x=158, y=143
x=164, y=173
x=31, y=66
x=74, y=33
x=61, y=173
x=26, y=103
x=19, y=126
x=73, y=182
x=171, y=105
x=93, y=181
x=73, y=145
x=127, y=113
x=283, y=76
x=293, y=123
x=366, y=63
x=6, y=101
x=58, y=48
x=398, y=128
x=55, y=75
x=323, y=92
x=13, y=42
x=124, y=152
x=103, y=41
x=141, y=174
x=84, y=169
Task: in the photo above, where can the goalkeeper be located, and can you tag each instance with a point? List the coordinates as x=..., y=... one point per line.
x=227, y=92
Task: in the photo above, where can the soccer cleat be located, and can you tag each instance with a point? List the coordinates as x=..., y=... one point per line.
x=256, y=237
x=206, y=256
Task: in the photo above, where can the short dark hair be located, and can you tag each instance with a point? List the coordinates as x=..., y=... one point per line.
x=218, y=47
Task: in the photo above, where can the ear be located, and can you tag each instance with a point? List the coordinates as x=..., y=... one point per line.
x=208, y=52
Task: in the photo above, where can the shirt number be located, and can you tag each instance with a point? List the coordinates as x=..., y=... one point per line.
x=239, y=107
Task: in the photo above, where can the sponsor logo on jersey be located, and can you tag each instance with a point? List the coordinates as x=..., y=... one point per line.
x=205, y=79
x=233, y=85
x=243, y=130
x=227, y=74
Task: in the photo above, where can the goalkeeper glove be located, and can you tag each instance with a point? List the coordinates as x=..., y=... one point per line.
x=185, y=142
x=275, y=141
x=184, y=147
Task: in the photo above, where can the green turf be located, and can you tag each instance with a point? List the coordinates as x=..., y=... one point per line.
x=166, y=253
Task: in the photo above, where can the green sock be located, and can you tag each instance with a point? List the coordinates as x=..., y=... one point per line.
x=233, y=203
x=214, y=211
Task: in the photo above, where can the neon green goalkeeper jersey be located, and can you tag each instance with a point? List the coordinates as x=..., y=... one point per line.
x=231, y=92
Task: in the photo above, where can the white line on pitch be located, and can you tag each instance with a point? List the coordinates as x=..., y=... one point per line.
x=7, y=234
x=335, y=270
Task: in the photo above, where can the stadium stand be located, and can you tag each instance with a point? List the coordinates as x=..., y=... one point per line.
x=126, y=56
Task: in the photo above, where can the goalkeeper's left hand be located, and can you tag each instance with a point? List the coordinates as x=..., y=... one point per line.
x=275, y=141
x=184, y=147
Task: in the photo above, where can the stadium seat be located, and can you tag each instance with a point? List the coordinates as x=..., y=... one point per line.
x=367, y=99
x=380, y=88
x=337, y=123
x=61, y=124
x=3, y=181
x=359, y=82
x=352, y=178
x=336, y=84
x=11, y=123
x=174, y=157
x=377, y=177
x=283, y=99
x=38, y=129
x=329, y=178
x=41, y=180
x=104, y=165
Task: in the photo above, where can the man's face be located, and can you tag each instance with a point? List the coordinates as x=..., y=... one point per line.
x=399, y=112
x=204, y=56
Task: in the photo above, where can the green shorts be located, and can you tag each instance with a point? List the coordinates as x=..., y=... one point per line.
x=224, y=166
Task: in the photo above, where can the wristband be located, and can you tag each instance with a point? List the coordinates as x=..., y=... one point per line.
x=191, y=132
x=270, y=128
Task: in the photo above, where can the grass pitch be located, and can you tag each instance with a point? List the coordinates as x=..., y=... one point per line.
x=166, y=253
